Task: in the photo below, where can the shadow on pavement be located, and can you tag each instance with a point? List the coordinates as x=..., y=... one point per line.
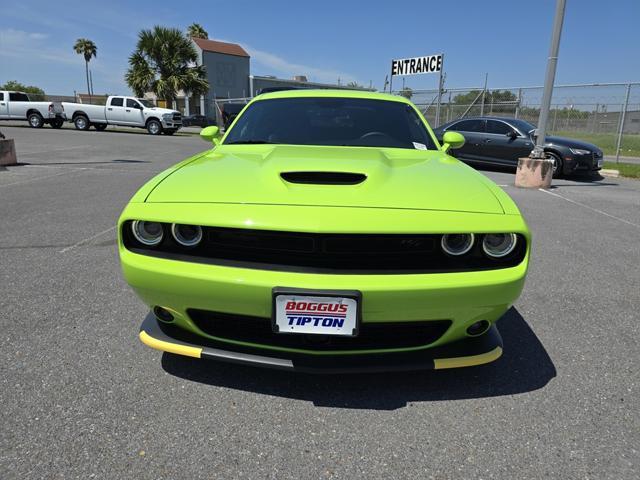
x=525, y=366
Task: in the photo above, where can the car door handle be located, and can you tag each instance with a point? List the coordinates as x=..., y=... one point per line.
x=128, y=110
x=110, y=109
x=487, y=140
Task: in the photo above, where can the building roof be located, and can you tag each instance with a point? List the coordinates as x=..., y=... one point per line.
x=220, y=47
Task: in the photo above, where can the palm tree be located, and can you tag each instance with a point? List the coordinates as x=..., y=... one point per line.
x=195, y=30
x=87, y=49
x=164, y=62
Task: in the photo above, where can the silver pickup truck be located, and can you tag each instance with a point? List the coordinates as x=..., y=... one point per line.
x=126, y=111
x=18, y=106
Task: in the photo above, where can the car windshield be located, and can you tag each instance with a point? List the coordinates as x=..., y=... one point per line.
x=331, y=121
x=146, y=103
x=523, y=126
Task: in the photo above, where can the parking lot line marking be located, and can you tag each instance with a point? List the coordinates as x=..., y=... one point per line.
x=85, y=240
x=53, y=150
x=22, y=182
x=590, y=208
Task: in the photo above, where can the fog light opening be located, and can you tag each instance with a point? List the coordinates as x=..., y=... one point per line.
x=478, y=328
x=163, y=314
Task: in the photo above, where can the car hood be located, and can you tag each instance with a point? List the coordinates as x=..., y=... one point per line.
x=161, y=111
x=570, y=143
x=386, y=178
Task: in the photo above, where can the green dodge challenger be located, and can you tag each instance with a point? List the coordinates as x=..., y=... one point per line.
x=326, y=231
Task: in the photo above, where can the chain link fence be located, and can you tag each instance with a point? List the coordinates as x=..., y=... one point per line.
x=605, y=114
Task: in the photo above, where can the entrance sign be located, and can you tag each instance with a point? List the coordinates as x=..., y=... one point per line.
x=416, y=65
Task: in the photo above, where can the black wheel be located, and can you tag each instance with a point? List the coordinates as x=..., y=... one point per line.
x=557, y=164
x=57, y=123
x=35, y=120
x=154, y=127
x=81, y=122
x=168, y=132
x=100, y=126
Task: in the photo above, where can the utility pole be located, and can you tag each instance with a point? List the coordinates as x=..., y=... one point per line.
x=538, y=151
x=484, y=92
x=440, y=86
x=536, y=171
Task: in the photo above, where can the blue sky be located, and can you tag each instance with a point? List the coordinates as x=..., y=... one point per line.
x=327, y=40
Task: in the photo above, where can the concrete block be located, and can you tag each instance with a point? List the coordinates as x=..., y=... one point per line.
x=8, y=152
x=534, y=173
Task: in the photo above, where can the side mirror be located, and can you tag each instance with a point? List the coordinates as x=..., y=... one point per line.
x=452, y=140
x=211, y=134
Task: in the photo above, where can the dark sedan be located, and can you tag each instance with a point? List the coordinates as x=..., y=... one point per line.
x=195, y=120
x=501, y=141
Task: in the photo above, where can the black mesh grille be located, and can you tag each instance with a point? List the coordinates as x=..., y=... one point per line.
x=370, y=336
x=325, y=252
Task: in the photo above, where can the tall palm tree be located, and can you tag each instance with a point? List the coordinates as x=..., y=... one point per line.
x=87, y=49
x=196, y=30
x=163, y=63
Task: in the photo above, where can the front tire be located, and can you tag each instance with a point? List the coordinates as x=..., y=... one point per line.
x=35, y=120
x=81, y=122
x=558, y=165
x=154, y=127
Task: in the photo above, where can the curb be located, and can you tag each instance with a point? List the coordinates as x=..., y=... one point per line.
x=609, y=173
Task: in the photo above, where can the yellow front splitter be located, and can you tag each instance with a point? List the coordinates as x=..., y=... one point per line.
x=466, y=353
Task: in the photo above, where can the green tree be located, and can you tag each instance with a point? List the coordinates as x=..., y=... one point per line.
x=164, y=62
x=406, y=92
x=35, y=93
x=88, y=50
x=195, y=30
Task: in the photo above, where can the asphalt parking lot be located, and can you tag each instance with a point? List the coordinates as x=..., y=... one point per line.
x=83, y=398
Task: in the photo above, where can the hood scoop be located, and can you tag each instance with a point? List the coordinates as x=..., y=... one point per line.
x=324, y=178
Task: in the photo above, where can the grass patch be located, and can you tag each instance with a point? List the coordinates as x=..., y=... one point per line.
x=630, y=146
x=631, y=170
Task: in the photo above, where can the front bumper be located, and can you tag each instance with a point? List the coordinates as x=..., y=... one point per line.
x=465, y=353
x=462, y=298
x=585, y=163
x=171, y=124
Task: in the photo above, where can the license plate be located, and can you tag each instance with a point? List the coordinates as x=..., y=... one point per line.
x=600, y=162
x=316, y=313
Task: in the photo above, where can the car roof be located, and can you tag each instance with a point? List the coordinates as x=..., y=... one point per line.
x=332, y=93
x=504, y=119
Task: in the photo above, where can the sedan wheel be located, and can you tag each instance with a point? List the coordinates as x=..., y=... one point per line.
x=557, y=164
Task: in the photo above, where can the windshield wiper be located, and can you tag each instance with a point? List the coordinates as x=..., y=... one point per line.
x=248, y=142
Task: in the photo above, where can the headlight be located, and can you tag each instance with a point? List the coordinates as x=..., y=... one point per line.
x=498, y=245
x=457, y=243
x=147, y=233
x=167, y=116
x=186, y=235
x=580, y=151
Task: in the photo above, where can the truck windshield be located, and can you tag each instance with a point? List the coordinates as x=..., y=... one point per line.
x=331, y=121
x=146, y=103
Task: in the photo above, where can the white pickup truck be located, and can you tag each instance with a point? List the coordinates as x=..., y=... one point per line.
x=18, y=106
x=127, y=111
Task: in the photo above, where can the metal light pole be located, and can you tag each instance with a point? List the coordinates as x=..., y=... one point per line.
x=538, y=151
x=536, y=171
